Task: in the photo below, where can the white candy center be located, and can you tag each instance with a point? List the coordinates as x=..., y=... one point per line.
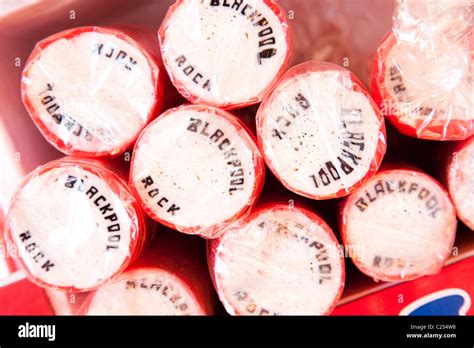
x=462, y=183
x=430, y=85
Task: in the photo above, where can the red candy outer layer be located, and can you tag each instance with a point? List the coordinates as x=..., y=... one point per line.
x=180, y=257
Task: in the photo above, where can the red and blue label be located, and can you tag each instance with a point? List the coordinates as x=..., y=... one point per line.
x=447, y=293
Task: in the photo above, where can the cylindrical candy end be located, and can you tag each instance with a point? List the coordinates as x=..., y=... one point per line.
x=320, y=132
x=399, y=226
x=74, y=225
x=224, y=54
x=91, y=90
x=169, y=278
x=196, y=169
x=280, y=260
x=145, y=291
x=425, y=93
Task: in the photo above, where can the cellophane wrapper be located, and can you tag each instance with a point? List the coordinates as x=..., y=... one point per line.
x=422, y=72
x=74, y=225
x=281, y=260
x=91, y=90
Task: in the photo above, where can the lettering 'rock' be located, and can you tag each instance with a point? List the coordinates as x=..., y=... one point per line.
x=226, y=54
x=196, y=169
x=74, y=224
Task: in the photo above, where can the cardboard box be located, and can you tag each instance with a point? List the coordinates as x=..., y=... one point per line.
x=449, y=292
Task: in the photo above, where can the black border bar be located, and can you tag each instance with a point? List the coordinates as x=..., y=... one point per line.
x=156, y=330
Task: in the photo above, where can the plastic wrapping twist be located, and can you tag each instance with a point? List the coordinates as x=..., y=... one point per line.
x=422, y=75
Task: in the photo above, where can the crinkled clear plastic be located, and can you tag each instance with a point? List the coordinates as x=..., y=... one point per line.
x=422, y=75
x=429, y=23
x=398, y=226
x=320, y=132
x=91, y=90
x=196, y=169
x=280, y=260
x=459, y=177
x=225, y=54
x=73, y=225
